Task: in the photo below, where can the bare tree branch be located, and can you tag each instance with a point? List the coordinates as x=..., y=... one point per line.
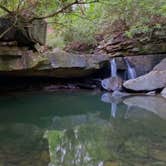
x=5, y=9
x=63, y=9
x=8, y=29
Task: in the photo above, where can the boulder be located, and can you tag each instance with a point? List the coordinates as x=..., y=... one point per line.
x=161, y=66
x=163, y=92
x=148, y=82
x=112, y=83
x=156, y=79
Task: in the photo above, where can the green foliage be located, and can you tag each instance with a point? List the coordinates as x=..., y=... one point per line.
x=83, y=22
x=109, y=16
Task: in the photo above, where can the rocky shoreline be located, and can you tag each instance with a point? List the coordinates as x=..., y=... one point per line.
x=144, y=54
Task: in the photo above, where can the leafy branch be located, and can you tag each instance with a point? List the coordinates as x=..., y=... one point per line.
x=63, y=9
x=5, y=9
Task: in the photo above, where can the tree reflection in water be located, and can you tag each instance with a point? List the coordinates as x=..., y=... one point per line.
x=137, y=138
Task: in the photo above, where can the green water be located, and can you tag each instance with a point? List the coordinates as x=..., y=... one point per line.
x=81, y=129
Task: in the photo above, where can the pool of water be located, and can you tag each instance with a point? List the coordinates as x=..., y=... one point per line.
x=82, y=129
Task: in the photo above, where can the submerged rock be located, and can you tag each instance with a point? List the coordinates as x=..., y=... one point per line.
x=154, y=104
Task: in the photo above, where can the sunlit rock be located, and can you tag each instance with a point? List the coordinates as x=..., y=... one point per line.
x=156, y=79
x=161, y=66
x=148, y=82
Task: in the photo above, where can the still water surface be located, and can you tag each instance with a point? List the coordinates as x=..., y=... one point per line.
x=82, y=129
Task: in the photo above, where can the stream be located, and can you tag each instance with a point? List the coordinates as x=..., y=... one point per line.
x=81, y=128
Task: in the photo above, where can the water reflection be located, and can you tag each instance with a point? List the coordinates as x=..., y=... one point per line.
x=154, y=104
x=23, y=145
x=113, y=100
x=78, y=129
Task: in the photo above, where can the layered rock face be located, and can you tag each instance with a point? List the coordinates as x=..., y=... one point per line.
x=55, y=63
x=140, y=44
x=21, y=61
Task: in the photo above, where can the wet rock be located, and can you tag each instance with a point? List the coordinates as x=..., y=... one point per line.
x=112, y=83
x=154, y=104
x=148, y=82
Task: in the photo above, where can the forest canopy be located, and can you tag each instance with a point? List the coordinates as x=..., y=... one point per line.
x=85, y=20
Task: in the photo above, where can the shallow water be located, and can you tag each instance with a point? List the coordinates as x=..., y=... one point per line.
x=81, y=129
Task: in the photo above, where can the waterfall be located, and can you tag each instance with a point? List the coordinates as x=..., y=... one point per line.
x=113, y=68
x=53, y=62
x=113, y=109
x=131, y=73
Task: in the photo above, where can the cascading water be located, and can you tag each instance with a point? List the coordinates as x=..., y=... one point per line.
x=131, y=73
x=108, y=98
x=113, y=68
x=106, y=82
x=53, y=62
x=113, y=109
